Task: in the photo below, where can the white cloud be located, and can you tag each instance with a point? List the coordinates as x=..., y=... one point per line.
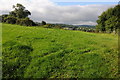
x=53, y=13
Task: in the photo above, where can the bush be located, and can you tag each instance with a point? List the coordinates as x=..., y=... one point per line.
x=10, y=19
x=2, y=17
x=53, y=26
x=25, y=22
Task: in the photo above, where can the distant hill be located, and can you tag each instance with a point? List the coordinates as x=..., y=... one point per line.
x=73, y=26
x=88, y=26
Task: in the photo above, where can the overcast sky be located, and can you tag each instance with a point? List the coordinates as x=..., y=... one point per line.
x=61, y=11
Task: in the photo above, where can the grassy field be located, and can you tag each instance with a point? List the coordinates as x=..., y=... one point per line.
x=35, y=52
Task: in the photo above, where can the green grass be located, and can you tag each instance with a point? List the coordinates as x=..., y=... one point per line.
x=35, y=52
x=0, y=50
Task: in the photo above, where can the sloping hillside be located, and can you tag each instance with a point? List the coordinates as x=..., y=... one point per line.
x=34, y=52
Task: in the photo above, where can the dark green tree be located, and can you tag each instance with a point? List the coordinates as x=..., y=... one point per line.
x=111, y=24
x=43, y=23
x=19, y=11
x=109, y=20
x=101, y=22
x=117, y=14
x=18, y=16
